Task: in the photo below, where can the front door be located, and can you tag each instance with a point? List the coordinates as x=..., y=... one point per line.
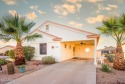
x=73, y=51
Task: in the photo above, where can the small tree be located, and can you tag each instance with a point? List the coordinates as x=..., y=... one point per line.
x=115, y=27
x=15, y=27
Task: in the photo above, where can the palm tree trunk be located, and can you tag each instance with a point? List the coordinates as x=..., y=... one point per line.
x=119, y=62
x=19, y=54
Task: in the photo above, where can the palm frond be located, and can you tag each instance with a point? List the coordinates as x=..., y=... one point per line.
x=32, y=37
x=15, y=26
x=6, y=38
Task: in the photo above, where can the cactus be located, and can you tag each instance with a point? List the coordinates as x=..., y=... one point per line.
x=10, y=68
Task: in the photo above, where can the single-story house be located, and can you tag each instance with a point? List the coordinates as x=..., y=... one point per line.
x=106, y=50
x=64, y=42
x=6, y=48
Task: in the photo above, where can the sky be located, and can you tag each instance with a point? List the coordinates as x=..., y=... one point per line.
x=82, y=14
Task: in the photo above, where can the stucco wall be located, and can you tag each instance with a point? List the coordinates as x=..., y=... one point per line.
x=80, y=51
x=65, y=34
x=66, y=52
x=55, y=51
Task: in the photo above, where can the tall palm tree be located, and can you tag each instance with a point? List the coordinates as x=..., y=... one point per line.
x=17, y=28
x=115, y=27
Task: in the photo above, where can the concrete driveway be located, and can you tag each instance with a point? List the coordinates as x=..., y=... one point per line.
x=67, y=72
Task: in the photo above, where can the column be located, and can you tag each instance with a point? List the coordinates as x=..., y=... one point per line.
x=95, y=49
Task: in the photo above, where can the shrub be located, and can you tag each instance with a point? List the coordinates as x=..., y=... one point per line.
x=3, y=61
x=48, y=60
x=11, y=54
x=28, y=52
x=110, y=57
x=105, y=68
x=6, y=53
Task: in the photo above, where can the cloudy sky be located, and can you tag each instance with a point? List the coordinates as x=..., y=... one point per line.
x=82, y=14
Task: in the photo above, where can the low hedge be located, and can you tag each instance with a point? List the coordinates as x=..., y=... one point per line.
x=48, y=60
x=3, y=61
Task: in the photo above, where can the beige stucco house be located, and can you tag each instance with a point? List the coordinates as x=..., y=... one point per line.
x=6, y=48
x=64, y=42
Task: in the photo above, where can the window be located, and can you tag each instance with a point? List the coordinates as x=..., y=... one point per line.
x=43, y=48
x=47, y=27
x=65, y=45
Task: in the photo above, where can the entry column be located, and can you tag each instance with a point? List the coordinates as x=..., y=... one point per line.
x=95, y=49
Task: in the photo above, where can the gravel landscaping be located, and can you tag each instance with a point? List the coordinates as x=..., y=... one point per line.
x=30, y=67
x=114, y=77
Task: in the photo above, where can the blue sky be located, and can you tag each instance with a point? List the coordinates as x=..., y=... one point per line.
x=82, y=14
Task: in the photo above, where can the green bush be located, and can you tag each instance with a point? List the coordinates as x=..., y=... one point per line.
x=28, y=52
x=105, y=68
x=110, y=57
x=6, y=53
x=3, y=61
x=11, y=54
x=48, y=60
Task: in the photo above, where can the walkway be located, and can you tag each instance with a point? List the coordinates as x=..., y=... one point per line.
x=68, y=72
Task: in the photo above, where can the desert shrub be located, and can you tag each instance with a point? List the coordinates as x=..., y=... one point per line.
x=28, y=52
x=105, y=68
x=48, y=60
x=3, y=61
x=11, y=54
x=6, y=53
x=110, y=57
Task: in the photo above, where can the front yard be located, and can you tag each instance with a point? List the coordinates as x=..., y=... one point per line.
x=30, y=68
x=114, y=77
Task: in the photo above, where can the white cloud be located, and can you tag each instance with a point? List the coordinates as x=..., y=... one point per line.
x=38, y=10
x=10, y=2
x=93, y=20
x=74, y=1
x=69, y=7
x=12, y=12
x=31, y=15
x=41, y=12
x=75, y=24
x=94, y=1
x=113, y=6
x=34, y=7
x=108, y=8
x=60, y=10
x=66, y=9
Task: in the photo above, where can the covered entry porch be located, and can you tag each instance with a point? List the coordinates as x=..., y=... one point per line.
x=83, y=49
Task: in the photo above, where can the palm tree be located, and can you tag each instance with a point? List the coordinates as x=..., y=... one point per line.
x=115, y=27
x=17, y=28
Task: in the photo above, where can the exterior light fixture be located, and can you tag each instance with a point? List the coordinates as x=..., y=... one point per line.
x=87, y=49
